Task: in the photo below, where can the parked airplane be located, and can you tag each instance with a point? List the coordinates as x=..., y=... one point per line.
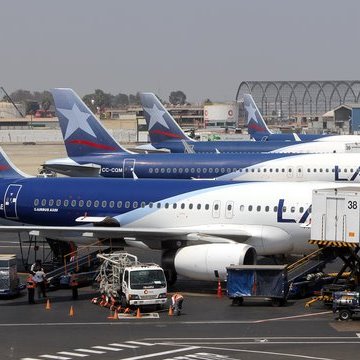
x=258, y=129
x=165, y=133
x=94, y=152
x=201, y=226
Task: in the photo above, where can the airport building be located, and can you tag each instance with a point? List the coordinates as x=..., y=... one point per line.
x=300, y=103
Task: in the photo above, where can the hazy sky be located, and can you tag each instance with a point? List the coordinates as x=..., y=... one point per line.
x=203, y=47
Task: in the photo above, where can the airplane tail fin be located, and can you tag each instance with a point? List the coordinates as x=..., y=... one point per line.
x=255, y=121
x=8, y=170
x=161, y=125
x=82, y=132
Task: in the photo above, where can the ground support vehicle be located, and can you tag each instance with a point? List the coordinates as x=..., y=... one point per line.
x=346, y=304
x=9, y=280
x=257, y=281
x=124, y=280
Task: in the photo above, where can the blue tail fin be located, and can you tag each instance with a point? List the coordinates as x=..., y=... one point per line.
x=255, y=121
x=82, y=132
x=161, y=125
x=7, y=169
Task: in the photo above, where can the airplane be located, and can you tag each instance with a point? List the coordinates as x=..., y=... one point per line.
x=165, y=134
x=201, y=226
x=259, y=131
x=94, y=152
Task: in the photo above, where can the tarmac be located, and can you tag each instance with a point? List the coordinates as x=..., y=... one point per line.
x=209, y=327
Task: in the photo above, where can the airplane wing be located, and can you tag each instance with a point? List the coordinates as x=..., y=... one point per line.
x=207, y=233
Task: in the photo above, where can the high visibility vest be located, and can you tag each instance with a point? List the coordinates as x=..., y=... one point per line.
x=30, y=283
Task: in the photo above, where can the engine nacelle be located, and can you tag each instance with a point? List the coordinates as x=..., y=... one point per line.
x=208, y=262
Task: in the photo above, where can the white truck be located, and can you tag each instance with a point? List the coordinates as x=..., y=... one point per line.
x=123, y=278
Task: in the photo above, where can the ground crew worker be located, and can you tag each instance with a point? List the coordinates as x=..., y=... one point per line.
x=40, y=281
x=36, y=266
x=176, y=303
x=31, y=285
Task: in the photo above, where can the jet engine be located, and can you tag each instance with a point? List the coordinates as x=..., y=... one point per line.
x=209, y=261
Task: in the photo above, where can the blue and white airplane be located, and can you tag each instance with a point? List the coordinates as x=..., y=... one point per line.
x=259, y=131
x=201, y=226
x=165, y=133
x=93, y=151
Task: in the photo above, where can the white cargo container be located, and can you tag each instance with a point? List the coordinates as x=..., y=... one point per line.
x=336, y=215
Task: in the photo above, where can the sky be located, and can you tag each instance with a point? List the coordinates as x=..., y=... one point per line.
x=202, y=47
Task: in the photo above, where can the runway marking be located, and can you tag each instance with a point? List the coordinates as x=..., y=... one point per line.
x=271, y=353
x=162, y=353
x=254, y=338
x=90, y=351
x=139, y=343
x=106, y=348
x=55, y=357
x=293, y=317
x=72, y=354
x=124, y=345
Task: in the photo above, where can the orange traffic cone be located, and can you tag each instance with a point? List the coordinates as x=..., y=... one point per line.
x=71, y=312
x=48, y=305
x=171, y=311
x=219, y=290
x=116, y=315
x=138, y=313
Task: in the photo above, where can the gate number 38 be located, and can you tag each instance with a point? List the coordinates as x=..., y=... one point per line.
x=352, y=205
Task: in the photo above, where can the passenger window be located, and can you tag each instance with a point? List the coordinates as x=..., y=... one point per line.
x=180, y=171
x=284, y=209
x=216, y=207
x=301, y=210
x=282, y=170
x=88, y=203
x=345, y=170
x=192, y=170
x=222, y=170
x=43, y=202
x=204, y=170
x=168, y=170
x=275, y=208
x=58, y=202
x=271, y=170
x=250, y=208
x=264, y=169
x=151, y=170
x=111, y=204
x=143, y=204
x=156, y=170
x=96, y=203
x=229, y=207
x=191, y=206
x=242, y=208
x=151, y=205
x=135, y=204
x=216, y=170
x=299, y=170
x=290, y=170
x=308, y=170
x=314, y=170
x=127, y=204
x=81, y=203
x=267, y=208
x=276, y=170
x=207, y=207
x=258, y=170
x=174, y=170
x=198, y=170
x=186, y=170
x=162, y=170
x=210, y=170
x=104, y=204
x=73, y=203
x=228, y=170
x=66, y=203
x=36, y=202
x=182, y=206
x=51, y=202
x=174, y=205
x=166, y=205
x=321, y=170
x=158, y=205
x=119, y=204
x=199, y=206
x=292, y=209
x=252, y=170
x=258, y=208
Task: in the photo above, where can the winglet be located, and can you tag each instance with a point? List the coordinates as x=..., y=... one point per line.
x=161, y=125
x=82, y=132
x=255, y=121
x=7, y=169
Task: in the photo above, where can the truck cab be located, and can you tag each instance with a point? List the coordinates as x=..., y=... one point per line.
x=144, y=285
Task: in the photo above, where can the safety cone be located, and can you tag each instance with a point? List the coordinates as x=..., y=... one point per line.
x=171, y=311
x=219, y=290
x=48, y=305
x=116, y=315
x=138, y=313
x=71, y=312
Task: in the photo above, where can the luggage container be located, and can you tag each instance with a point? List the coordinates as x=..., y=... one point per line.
x=257, y=281
x=9, y=280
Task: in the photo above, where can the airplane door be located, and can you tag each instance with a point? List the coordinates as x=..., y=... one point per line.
x=216, y=209
x=299, y=172
x=10, y=200
x=128, y=168
x=229, y=210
